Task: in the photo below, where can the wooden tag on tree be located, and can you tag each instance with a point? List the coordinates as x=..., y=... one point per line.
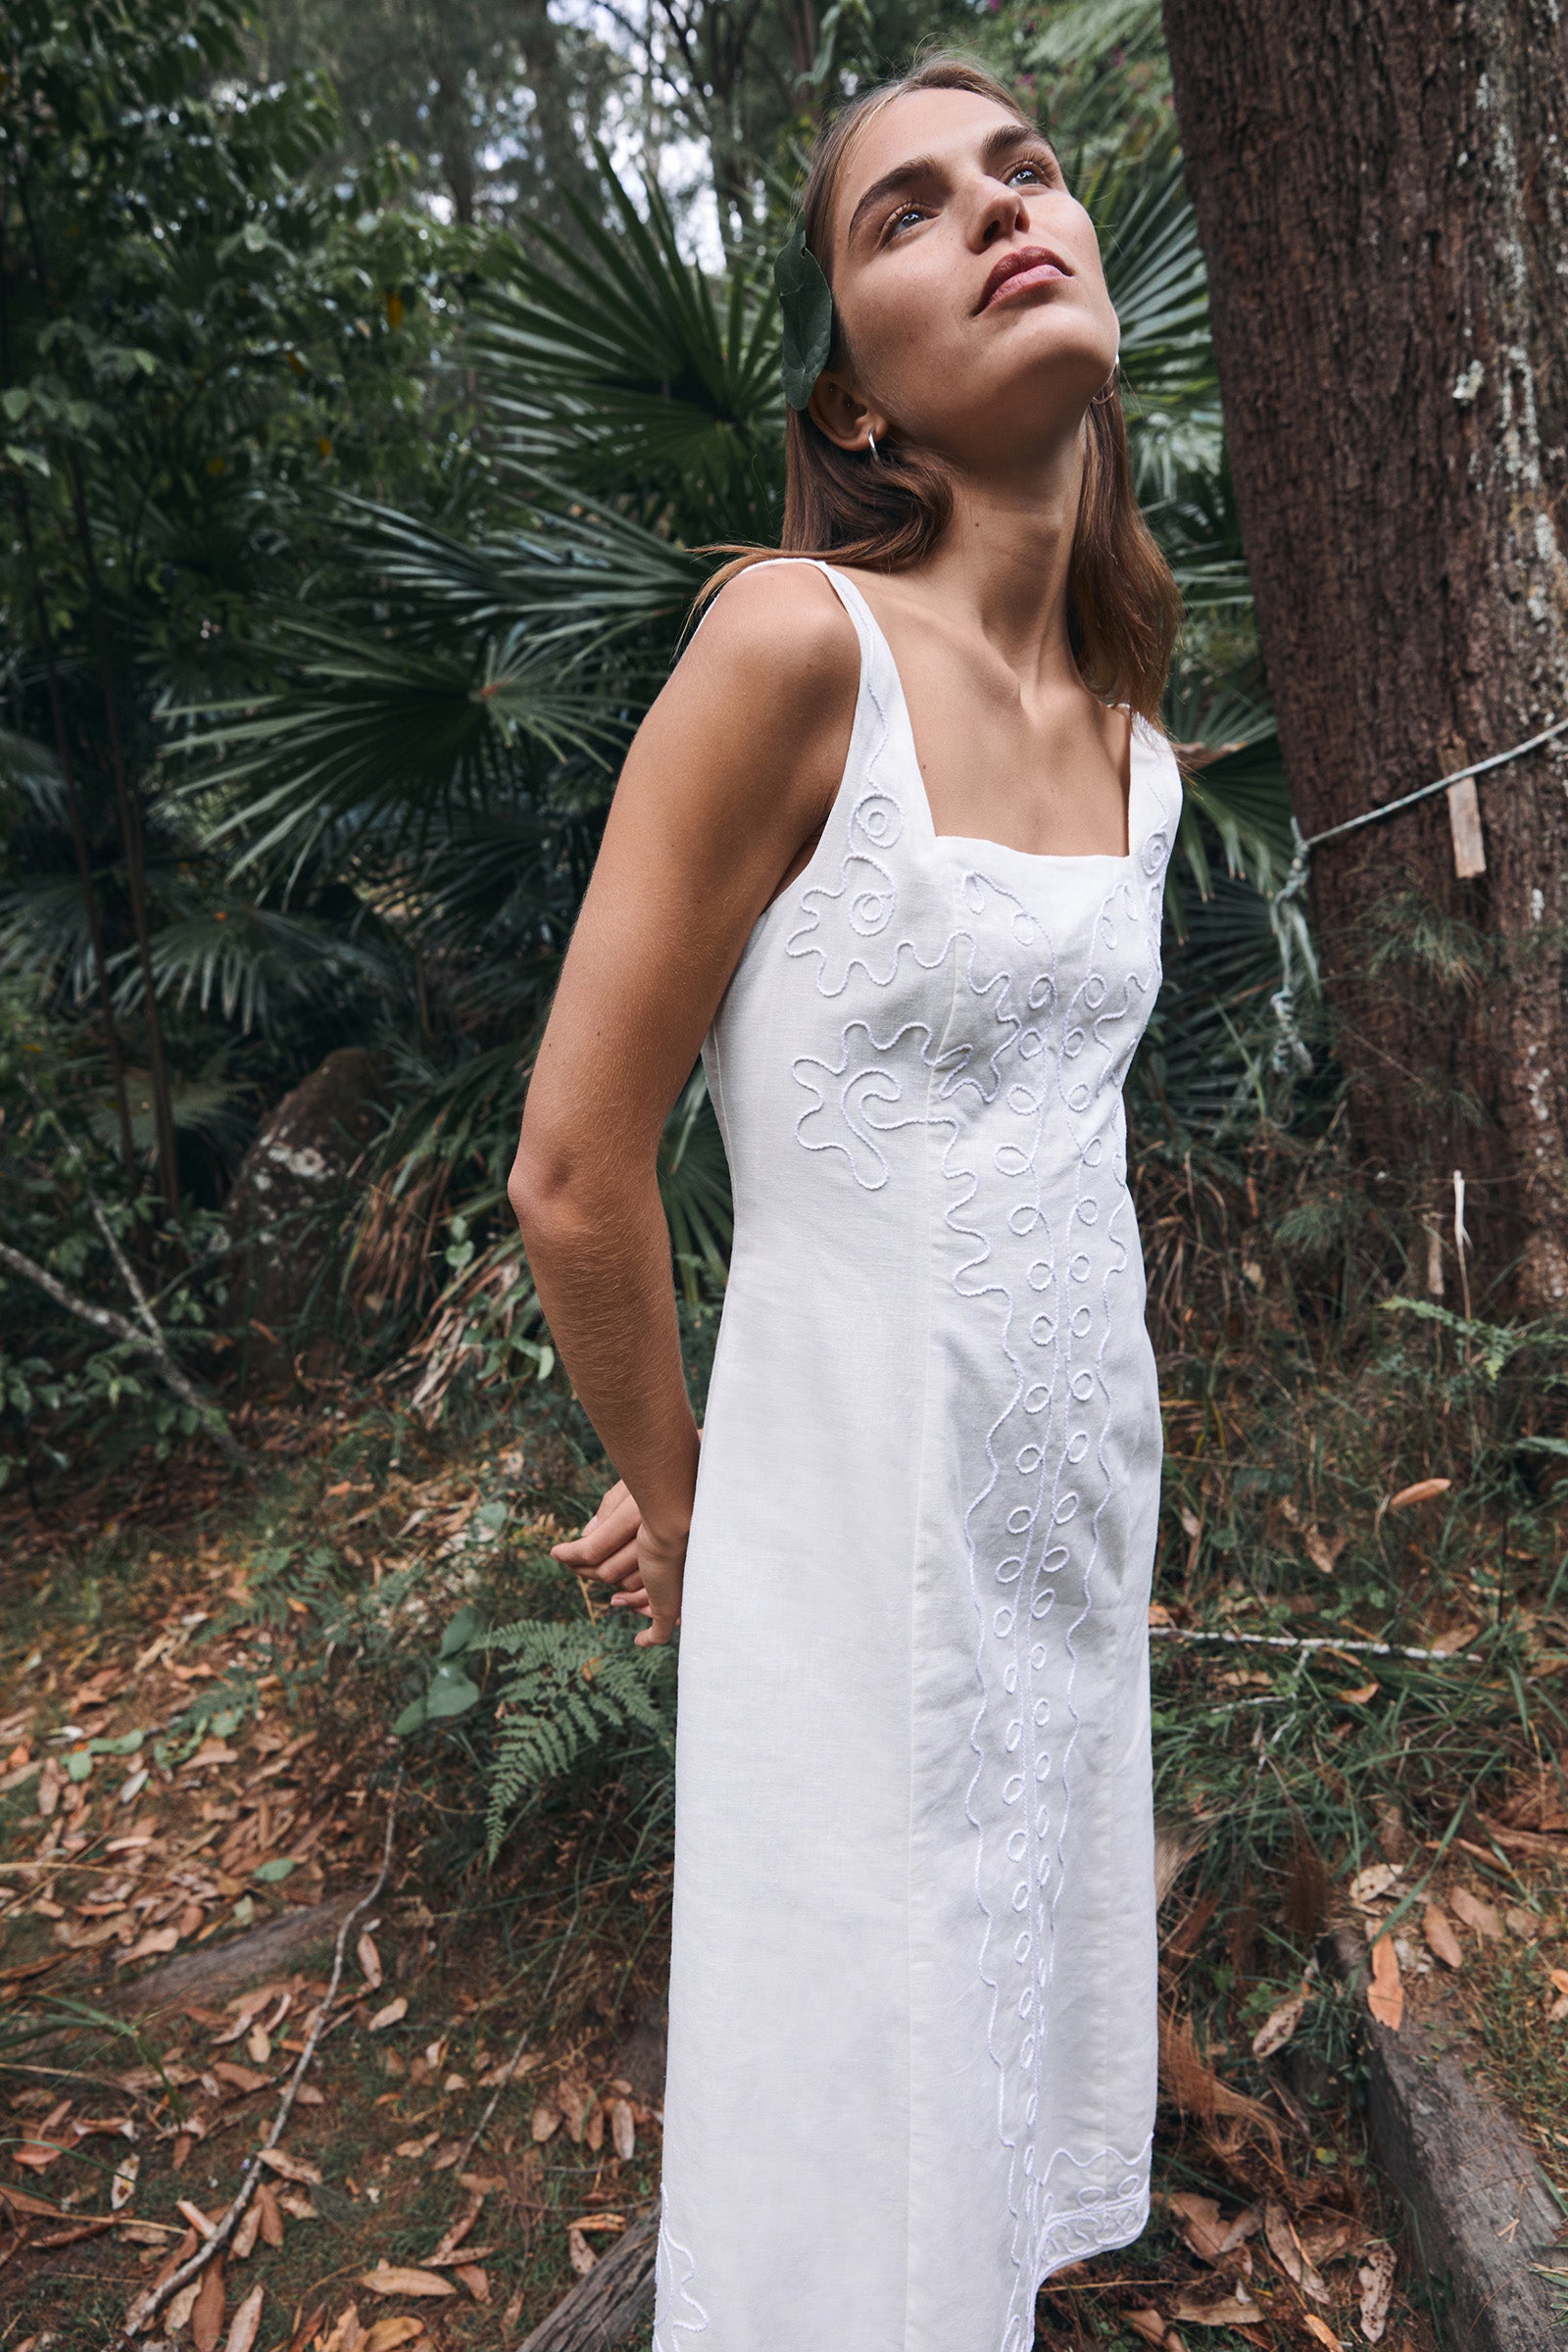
x=1464, y=823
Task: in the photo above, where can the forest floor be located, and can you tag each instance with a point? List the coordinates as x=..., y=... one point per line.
x=192, y=1746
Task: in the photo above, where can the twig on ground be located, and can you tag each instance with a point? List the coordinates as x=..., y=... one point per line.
x=155, y=2298
x=516, y=2058
x=1379, y=1649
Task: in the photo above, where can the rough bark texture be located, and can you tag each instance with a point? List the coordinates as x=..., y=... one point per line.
x=1382, y=190
x=611, y=2304
x=1484, y=2216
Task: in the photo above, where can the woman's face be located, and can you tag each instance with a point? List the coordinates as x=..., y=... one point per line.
x=969, y=288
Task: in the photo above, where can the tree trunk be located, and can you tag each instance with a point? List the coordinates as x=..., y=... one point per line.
x=1381, y=192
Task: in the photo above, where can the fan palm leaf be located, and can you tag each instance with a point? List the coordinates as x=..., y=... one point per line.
x=614, y=359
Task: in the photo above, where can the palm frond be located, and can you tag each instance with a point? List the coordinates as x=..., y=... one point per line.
x=613, y=359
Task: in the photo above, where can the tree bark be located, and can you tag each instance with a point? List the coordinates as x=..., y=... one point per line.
x=1381, y=192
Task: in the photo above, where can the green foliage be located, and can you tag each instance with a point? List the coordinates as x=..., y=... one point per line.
x=449, y=1691
x=568, y=1692
x=70, y=1390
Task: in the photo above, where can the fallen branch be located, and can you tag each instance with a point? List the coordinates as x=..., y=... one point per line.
x=1376, y=1649
x=151, y=2303
x=150, y=1343
x=615, y=2300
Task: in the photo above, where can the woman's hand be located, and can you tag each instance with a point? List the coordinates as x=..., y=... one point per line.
x=618, y=1547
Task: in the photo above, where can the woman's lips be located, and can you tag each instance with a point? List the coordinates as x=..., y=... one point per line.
x=1018, y=274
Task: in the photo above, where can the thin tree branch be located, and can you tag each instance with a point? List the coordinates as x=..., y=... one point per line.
x=151, y=2303
x=120, y=1327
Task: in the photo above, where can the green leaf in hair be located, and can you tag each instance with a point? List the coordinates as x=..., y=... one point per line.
x=807, y=305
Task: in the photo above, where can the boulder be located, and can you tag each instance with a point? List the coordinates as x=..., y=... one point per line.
x=295, y=1185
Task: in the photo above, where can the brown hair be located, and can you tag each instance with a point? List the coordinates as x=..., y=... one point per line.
x=1123, y=606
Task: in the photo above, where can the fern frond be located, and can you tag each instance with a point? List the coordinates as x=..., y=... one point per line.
x=568, y=1690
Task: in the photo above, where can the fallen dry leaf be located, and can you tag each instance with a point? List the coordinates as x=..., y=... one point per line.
x=417, y=2148
x=370, y=1960
x=387, y=2335
x=1320, y=2332
x=258, y=2045
x=390, y=2280
x=1324, y=2237
x=207, y=2313
x=1281, y=2022
x=19, y=2201
x=178, y=2314
x=574, y=2099
x=581, y=2252
x=292, y=2168
x=38, y=2154
x=1438, y=1929
x=1375, y=2279
x=242, y=2244
x=476, y=2280
x=546, y=2122
x=1358, y=1696
x=1280, y=2234
x=271, y=2219
x=1425, y=1489
x=348, y=2335
x=196, y=2217
x=295, y=2203
x=1371, y=1884
x=1385, y=1992
x=1200, y=2222
x=1474, y=1913
x=1148, y=2323
x=156, y=1939
x=247, y=2322
x=505, y=2072
x=1322, y=1552
x=239, y=2077
x=122, y=2188
x=452, y=2237
x=624, y=2129
x=389, y=2016
x=1230, y=2310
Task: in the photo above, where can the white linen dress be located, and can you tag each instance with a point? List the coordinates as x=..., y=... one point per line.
x=913, y=1991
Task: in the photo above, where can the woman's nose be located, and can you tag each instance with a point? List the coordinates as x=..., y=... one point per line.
x=1000, y=211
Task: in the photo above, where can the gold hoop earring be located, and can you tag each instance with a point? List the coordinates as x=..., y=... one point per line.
x=1105, y=390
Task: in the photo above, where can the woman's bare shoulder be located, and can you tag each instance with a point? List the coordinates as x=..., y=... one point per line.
x=779, y=629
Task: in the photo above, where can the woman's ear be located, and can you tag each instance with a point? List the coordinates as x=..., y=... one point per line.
x=839, y=409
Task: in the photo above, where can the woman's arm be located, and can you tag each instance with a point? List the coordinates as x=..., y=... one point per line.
x=727, y=783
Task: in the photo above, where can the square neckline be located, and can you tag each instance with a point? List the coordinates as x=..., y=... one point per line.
x=983, y=841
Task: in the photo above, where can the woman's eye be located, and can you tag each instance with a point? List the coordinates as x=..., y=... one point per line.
x=1032, y=170
x=906, y=212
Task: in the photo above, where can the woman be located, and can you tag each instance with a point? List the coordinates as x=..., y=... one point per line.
x=890, y=850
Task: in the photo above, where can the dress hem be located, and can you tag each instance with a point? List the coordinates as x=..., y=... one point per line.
x=1138, y=2219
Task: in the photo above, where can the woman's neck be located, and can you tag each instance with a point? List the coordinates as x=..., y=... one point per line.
x=1004, y=559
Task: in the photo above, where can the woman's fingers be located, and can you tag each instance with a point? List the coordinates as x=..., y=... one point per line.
x=611, y=1528
x=659, y=1631
x=614, y=1571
